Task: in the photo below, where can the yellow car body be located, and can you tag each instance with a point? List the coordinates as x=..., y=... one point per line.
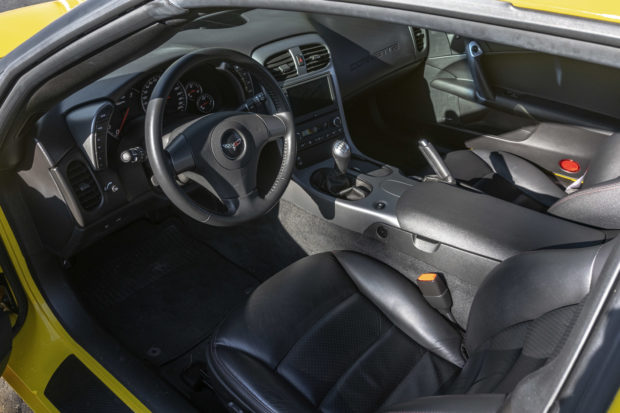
x=608, y=10
x=18, y=25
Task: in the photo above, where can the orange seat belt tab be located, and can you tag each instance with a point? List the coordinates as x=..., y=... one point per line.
x=436, y=293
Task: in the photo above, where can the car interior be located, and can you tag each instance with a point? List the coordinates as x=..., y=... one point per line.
x=289, y=211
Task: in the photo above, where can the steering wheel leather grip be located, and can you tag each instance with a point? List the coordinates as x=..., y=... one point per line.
x=220, y=151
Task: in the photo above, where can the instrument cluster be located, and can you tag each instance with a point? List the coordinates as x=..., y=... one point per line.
x=202, y=91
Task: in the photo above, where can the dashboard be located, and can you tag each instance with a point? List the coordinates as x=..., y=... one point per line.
x=89, y=167
x=99, y=126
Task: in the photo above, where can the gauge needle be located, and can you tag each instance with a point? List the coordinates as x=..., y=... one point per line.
x=120, y=128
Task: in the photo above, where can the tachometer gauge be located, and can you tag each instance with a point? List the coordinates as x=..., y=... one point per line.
x=177, y=100
x=205, y=103
x=193, y=89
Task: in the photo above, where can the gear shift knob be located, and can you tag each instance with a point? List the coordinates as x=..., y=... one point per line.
x=341, y=152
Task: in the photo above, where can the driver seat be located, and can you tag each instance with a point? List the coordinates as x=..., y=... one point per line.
x=342, y=332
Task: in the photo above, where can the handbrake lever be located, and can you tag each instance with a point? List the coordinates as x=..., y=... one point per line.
x=439, y=166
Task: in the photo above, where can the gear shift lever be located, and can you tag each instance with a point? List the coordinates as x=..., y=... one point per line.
x=341, y=152
x=336, y=181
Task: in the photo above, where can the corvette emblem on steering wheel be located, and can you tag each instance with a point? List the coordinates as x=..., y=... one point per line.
x=232, y=144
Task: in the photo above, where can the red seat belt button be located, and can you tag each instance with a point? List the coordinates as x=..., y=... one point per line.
x=568, y=165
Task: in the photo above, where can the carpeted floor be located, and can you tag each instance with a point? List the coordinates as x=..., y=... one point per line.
x=157, y=289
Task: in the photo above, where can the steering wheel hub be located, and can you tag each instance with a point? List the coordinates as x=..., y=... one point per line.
x=233, y=144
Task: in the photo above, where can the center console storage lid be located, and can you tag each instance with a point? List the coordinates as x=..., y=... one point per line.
x=484, y=225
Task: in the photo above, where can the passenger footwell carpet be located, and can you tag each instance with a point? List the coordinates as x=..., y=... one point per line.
x=158, y=290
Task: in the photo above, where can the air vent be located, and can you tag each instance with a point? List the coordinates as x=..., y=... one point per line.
x=315, y=55
x=83, y=185
x=418, y=38
x=281, y=66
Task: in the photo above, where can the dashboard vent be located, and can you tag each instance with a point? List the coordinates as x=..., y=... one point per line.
x=315, y=55
x=418, y=38
x=84, y=185
x=281, y=66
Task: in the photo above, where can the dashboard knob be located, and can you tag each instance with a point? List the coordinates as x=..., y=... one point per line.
x=133, y=155
x=111, y=187
x=337, y=122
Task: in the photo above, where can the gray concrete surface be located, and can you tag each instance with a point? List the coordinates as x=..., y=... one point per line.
x=10, y=402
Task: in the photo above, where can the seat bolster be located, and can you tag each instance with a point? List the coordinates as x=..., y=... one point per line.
x=597, y=206
x=480, y=403
x=285, y=307
x=263, y=392
x=401, y=302
x=523, y=174
x=527, y=286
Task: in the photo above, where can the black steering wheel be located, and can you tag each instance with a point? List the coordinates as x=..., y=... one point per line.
x=220, y=151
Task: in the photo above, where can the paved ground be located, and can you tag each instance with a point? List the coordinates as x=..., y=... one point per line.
x=10, y=402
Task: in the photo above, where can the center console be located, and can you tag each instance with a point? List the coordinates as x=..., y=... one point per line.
x=436, y=221
x=317, y=117
x=304, y=68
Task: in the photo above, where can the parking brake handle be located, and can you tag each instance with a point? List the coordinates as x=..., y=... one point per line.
x=432, y=157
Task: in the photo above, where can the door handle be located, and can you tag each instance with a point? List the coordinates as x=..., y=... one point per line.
x=482, y=89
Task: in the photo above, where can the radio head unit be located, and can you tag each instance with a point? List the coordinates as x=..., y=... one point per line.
x=317, y=119
x=312, y=97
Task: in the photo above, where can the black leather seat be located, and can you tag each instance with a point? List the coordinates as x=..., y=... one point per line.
x=505, y=176
x=514, y=179
x=342, y=332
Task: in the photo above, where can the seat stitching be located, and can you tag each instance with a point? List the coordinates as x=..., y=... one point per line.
x=587, y=192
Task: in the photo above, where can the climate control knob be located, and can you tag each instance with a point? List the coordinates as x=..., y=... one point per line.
x=337, y=122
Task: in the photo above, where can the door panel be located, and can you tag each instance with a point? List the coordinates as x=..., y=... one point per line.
x=543, y=108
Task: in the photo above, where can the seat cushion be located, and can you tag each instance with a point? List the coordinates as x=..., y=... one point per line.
x=504, y=175
x=333, y=332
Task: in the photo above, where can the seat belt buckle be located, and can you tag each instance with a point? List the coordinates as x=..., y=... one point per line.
x=436, y=293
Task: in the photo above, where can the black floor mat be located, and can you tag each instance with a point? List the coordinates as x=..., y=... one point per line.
x=158, y=290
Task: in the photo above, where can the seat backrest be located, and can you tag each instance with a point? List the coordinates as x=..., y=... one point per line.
x=598, y=201
x=605, y=165
x=521, y=315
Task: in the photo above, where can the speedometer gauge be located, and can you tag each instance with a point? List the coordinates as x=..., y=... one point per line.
x=177, y=100
x=193, y=89
x=205, y=103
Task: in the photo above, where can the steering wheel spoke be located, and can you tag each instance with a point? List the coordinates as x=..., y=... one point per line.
x=180, y=154
x=275, y=128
